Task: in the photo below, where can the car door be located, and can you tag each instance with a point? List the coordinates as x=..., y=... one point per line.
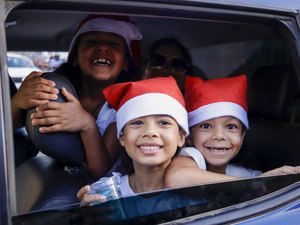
x=238, y=39
x=7, y=175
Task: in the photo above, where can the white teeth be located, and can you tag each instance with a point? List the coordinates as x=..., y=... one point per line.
x=149, y=148
x=102, y=61
x=218, y=149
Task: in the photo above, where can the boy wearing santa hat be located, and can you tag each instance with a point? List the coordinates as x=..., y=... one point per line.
x=217, y=113
x=152, y=124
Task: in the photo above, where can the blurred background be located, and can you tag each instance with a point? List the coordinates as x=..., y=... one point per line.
x=21, y=64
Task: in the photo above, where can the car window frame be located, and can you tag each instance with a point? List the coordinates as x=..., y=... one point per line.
x=7, y=182
x=270, y=202
x=7, y=167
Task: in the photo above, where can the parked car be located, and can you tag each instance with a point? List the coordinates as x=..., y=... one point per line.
x=19, y=66
x=259, y=38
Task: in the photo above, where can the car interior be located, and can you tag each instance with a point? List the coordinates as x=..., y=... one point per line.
x=221, y=43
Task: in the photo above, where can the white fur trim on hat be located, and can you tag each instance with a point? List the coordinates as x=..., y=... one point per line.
x=218, y=109
x=125, y=29
x=152, y=104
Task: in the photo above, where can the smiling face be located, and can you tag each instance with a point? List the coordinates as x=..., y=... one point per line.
x=152, y=141
x=219, y=140
x=102, y=55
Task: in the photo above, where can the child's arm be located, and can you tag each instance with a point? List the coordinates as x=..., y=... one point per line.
x=183, y=171
x=282, y=170
x=70, y=116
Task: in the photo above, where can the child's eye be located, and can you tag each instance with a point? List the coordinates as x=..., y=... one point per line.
x=205, y=125
x=114, y=44
x=89, y=42
x=136, y=122
x=232, y=126
x=164, y=122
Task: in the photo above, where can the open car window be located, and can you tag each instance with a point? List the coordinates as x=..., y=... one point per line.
x=224, y=39
x=183, y=205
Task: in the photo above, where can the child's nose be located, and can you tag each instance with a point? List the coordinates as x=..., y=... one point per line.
x=102, y=47
x=218, y=134
x=150, y=131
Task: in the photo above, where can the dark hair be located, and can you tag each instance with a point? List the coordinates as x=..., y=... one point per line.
x=245, y=157
x=126, y=165
x=173, y=42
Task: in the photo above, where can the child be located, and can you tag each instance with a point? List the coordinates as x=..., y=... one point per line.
x=151, y=125
x=217, y=111
x=100, y=55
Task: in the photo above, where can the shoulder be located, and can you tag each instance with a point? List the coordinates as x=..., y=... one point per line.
x=125, y=186
x=106, y=116
x=195, y=154
x=239, y=171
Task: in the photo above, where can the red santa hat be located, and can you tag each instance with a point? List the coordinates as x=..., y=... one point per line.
x=155, y=96
x=208, y=99
x=111, y=24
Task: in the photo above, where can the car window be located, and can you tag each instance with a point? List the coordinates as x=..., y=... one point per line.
x=223, y=41
x=240, y=57
x=184, y=205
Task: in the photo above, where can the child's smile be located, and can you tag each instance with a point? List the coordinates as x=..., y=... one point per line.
x=217, y=149
x=102, y=62
x=150, y=149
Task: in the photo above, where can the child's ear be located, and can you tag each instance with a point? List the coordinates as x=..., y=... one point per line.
x=121, y=139
x=243, y=135
x=181, y=139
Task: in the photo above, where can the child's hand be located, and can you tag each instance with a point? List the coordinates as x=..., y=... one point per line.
x=68, y=116
x=35, y=91
x=283, y=170
x=86, y=199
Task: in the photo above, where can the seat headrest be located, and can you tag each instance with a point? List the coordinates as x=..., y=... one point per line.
x=66, y=147
x=270, y=92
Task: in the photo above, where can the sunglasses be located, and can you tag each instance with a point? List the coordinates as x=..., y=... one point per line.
x=159, y=62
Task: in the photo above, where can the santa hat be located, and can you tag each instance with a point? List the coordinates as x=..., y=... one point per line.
x=117, y=25
x=208, y=99
x=155, y=96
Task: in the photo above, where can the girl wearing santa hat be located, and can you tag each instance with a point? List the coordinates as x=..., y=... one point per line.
x=151, y=125
x=217, y=113
x=100, y=55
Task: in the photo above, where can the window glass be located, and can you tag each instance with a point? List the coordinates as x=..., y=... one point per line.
x=233, y=58
x=167, y=205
